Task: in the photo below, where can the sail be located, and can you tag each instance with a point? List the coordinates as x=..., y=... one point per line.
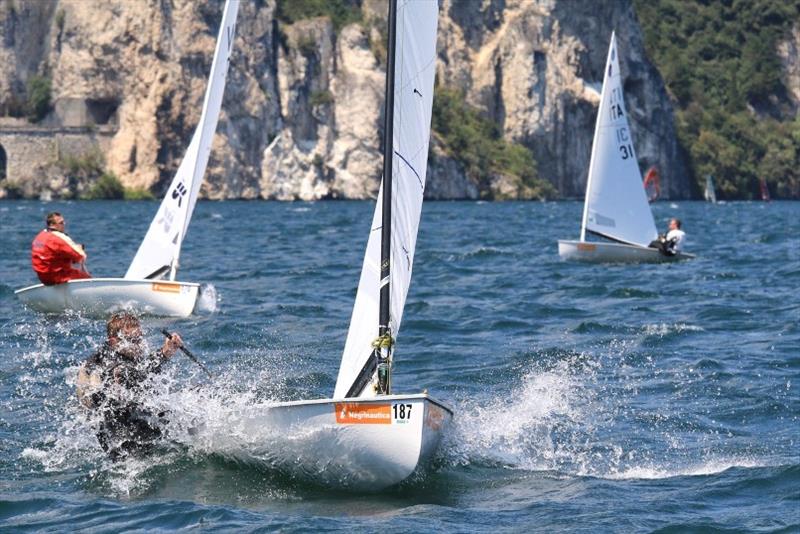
x=616, y=205
x=652, y=184
x=415, y=67
x=710, y=194
x=160, y=250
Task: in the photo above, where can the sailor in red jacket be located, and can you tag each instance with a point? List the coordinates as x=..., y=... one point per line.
x=53, y=253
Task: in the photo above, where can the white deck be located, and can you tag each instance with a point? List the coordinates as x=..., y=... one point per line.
x=602, y=252
x=98, y=297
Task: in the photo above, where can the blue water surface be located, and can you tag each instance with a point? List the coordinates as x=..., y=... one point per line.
x=595, y=398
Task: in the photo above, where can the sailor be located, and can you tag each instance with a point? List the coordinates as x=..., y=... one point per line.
x=671, y=244
x=113, y=385
x=53, y=252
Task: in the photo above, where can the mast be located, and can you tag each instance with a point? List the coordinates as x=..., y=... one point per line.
x=384, y=331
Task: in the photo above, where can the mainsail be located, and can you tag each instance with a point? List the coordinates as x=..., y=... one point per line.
x=415, y=68
x=159, y=252
x=616, y=205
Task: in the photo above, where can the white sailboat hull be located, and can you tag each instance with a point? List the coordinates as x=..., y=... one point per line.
x=601, y=252
x=354, y=443
x=98, y=297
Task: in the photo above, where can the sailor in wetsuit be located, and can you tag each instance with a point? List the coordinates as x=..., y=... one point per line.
x=112, y=383
x=670, y=244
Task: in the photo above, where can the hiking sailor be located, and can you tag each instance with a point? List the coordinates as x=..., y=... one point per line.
x=113, y=385
x=672, y=243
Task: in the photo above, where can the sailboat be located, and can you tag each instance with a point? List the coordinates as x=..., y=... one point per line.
x=616, y=206
x=764, y=189
x=710, y=192
x=149, y=285
x=366, y=437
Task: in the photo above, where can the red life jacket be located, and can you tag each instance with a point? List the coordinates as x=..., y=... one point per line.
x=52, y=256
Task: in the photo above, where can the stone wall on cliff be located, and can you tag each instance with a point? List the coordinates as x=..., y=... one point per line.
x=302, y=112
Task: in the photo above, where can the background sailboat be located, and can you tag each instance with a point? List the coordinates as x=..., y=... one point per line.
x=149, y=285
x=616, y=206
x=365, y=437
x=710, y=192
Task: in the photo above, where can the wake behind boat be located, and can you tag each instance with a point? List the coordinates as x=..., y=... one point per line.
x=149, y=285
x=616, y=205
x=366, y=437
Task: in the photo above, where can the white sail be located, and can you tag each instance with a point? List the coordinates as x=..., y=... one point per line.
x=711, y=194
x=616, y=203
x=160, y=250
x=415, y=68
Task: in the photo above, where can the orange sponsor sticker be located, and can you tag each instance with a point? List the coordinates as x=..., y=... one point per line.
x=354, y=413
x=166, y=288
x=586, y=246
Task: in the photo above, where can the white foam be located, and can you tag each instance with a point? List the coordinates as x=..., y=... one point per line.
x=207, y=300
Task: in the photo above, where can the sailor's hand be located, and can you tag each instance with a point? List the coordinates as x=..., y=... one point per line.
x=173, y=343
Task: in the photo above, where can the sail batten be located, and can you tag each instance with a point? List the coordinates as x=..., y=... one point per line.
x=162, y=243
x=414, y=71
x=616, y=202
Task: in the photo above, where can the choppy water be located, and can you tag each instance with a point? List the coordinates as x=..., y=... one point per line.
x=590, y=398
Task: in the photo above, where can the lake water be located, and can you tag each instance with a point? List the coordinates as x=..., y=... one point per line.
x=629, y=398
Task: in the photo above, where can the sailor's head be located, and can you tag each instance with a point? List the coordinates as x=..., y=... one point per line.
x=674, y=224
x=55, y=221
x=125, y=334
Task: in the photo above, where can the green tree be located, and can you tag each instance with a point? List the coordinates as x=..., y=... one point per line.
x=39, y=88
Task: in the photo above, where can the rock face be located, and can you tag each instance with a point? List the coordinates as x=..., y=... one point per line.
x=302, y=113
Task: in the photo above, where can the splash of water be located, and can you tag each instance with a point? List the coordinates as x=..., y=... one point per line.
x=207, y=300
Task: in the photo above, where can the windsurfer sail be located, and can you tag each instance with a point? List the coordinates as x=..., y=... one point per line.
x=652, y=184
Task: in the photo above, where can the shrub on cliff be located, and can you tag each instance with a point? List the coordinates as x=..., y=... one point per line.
x=487, y=158
x=341, y=12
x=39, y=88
x=107, y=187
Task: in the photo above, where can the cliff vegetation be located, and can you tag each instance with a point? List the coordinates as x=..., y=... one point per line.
x=735, y=116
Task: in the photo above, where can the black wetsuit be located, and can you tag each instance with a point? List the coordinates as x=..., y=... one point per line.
x=125, y=426
x=664, y=246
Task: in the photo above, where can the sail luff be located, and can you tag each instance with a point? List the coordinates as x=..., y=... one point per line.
x=603, y=90
x=159, y=252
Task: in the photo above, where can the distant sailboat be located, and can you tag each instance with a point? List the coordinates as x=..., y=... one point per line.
x=366, y=437
x=762, y=184
x=652, y=184
x=616, y=206
x=710, y=192
x=149, y=285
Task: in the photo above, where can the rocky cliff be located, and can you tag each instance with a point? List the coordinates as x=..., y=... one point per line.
x=302, y=111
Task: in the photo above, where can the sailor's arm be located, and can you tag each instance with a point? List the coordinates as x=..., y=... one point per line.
x=70, y=248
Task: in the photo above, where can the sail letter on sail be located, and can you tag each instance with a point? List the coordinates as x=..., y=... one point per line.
x=415, y=68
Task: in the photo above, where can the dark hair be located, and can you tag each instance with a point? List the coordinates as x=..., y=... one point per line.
x=51, y=218
x=677, y=223
x=119, y=321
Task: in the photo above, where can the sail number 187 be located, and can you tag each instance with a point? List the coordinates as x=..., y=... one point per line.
x=402, y=411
